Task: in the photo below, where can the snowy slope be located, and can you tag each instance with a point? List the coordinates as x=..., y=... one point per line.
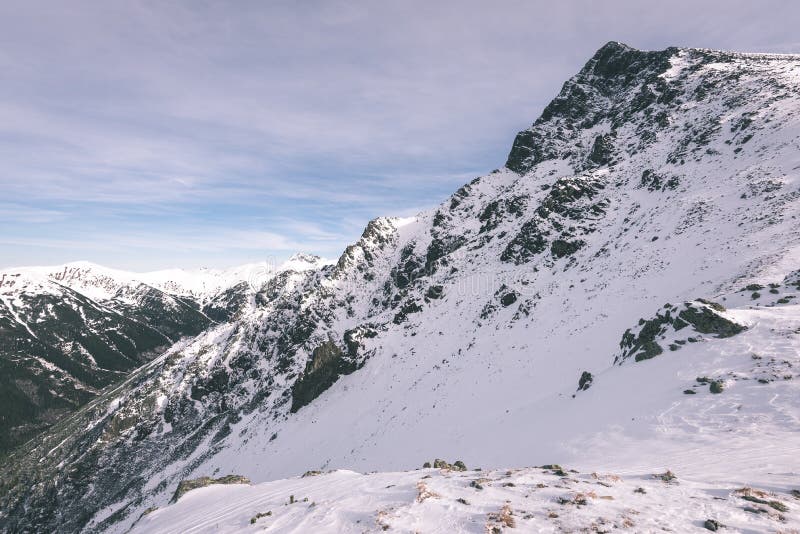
x=753, y=426
x=444, y=501
x=654, y=179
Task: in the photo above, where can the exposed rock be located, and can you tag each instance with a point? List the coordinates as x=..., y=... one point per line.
x=326, y=364
x=701, y=316
x=585, y=381
x=188, y=485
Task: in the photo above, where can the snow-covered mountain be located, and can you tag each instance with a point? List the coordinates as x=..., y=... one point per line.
x=103, y=283
x=620, y=297
x=68, y=331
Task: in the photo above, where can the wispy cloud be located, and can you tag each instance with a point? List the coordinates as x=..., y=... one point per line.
x=18, y=213
x=288, y=123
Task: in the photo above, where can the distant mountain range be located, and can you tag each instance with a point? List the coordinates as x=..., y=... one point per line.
x=68, y=331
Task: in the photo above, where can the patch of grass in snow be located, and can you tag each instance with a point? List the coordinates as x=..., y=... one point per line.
x=495, y=521
x=580, y=498
x=667, y=476
x=259, y=515
x=760, y=497
x=424, y=493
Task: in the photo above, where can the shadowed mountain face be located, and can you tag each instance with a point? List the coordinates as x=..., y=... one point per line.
x=59, y=348
x=68, y=332
x=652, y=178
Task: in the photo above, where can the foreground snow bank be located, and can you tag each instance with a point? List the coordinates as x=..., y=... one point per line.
x=546, y=499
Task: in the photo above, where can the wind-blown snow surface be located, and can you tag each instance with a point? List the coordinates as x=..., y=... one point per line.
x=654, y=178
x=444, y=501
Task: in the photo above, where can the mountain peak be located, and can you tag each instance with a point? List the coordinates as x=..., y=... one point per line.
x=304, y=257
x=621, y=86
x=602, y=90
x=615, y=46
x=616, y=59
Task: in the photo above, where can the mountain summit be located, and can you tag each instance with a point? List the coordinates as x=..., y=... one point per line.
x=641, y=242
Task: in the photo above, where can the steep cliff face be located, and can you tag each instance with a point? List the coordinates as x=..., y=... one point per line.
x=653, y=178
x=615, y=85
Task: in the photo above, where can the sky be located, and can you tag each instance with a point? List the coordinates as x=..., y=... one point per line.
x=146, y=134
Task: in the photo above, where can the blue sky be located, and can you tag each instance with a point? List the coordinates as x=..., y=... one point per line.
x=148, y=134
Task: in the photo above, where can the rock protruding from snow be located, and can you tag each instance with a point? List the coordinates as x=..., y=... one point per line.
x=674, y=326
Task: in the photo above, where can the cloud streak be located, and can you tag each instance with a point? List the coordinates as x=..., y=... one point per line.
x=293, y=119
